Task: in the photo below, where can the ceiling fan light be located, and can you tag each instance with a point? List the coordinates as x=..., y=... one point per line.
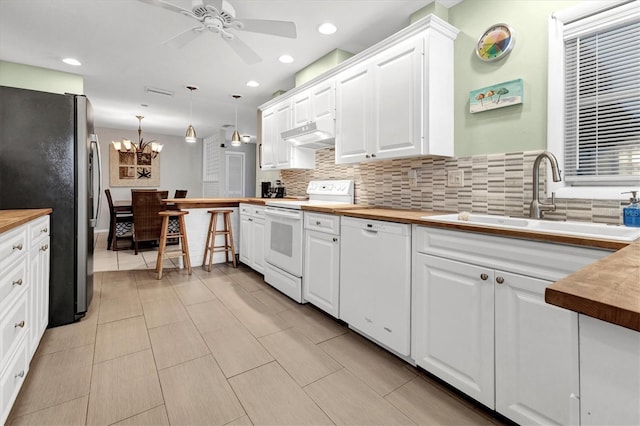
x=191, y=135
x=235, y=139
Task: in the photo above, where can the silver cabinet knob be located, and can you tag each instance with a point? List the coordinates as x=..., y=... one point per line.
x=500, y=280
x=19, y=324
x=44, y=247
x=335, y=240
x=367, y=156
x=484, y=277
x=20, y=374
x=373, y=155
x=318, y=222
x=18, y=282
x=43, y=230
x=17, y=246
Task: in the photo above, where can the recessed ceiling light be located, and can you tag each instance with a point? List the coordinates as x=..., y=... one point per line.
x=72, y=61
x=327, y=28
x=286, y=59
x=252, y=83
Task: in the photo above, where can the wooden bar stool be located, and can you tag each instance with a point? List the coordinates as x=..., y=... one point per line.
x=181, y=234
x=213, y=232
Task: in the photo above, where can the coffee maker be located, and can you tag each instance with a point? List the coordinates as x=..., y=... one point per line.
x=266, y=189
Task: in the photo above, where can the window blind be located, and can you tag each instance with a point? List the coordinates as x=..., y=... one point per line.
x=602, y=105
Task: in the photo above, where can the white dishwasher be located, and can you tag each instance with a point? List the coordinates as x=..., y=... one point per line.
x=375, y=281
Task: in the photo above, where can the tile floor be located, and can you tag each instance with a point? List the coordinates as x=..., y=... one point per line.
x=218, y=347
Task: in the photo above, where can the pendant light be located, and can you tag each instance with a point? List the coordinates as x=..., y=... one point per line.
x=191, y=132
x=235, y=138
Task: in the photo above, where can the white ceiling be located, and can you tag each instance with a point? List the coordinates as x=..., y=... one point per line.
x=119, y=43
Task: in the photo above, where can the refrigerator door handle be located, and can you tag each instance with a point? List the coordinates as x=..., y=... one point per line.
x=95, y=141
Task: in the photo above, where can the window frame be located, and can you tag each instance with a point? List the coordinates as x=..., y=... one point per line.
x=556, y=93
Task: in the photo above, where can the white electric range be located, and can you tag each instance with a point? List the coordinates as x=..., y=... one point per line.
x=284, y=233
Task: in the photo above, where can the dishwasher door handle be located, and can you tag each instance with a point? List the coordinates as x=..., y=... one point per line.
x=371, y=232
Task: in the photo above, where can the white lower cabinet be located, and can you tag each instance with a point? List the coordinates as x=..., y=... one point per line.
x=375, y=281
x=609, y=373
x=321, y=275
x=480, y=322
x=24, y=303
x=252, y=236
x=453, y=324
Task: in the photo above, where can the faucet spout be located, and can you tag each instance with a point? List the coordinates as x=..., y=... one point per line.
x=537, y=209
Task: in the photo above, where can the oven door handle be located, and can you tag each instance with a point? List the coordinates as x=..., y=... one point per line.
x=283, y=213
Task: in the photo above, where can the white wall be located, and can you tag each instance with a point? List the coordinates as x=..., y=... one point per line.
x=180, y=166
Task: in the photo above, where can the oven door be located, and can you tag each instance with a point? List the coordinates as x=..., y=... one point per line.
x=283, y=239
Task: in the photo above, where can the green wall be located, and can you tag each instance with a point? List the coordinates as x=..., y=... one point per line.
x=44, y=80
x=321, y=65
x=514, y=128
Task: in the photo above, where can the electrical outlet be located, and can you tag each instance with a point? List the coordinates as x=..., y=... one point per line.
x=455, y=178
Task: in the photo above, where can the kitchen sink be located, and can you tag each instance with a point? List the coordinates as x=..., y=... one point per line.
x=579, y=229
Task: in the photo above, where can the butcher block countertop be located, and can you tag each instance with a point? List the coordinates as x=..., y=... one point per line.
x=10, y=219
x=608, y=289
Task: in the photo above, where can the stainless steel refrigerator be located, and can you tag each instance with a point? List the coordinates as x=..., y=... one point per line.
x=49, y=157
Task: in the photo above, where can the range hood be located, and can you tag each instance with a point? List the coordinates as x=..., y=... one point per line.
x=311, y=135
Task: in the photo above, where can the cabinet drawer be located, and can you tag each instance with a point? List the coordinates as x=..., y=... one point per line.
x=12, y=379
x=251, y=210
x=39, y=229
x=12, y=281
x=327, y=223
x=549, y=261
x=13, y=326
x=13, y=244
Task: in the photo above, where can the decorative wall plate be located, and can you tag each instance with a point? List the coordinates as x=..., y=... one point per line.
x=495, y=43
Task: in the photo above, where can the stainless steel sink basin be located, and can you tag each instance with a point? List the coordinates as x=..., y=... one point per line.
x=579, y=229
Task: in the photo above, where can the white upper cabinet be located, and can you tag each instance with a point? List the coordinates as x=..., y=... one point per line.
x=276, y=152
x=393, y=100
x=398, y=103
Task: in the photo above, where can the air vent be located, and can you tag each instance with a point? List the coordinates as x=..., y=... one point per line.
x=157, y=91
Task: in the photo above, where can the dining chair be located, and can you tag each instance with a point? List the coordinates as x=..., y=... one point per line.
x=146, y=221
x=180, y=193
x=174, y=225
x=120, y=223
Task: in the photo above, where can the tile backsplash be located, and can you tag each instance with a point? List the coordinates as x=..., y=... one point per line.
x=498, y=184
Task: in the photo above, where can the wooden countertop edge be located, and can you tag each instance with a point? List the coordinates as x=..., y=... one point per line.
x=10, y=219
x=618, y=302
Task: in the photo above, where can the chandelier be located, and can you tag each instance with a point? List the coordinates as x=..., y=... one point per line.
x=151, y=147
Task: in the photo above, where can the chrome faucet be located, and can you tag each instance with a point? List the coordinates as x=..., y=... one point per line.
x=536, y=209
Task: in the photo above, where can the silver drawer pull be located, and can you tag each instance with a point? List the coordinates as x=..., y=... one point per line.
x=20, y=374
x=318, y=222
x=500, y=280
x=43, y=230
x=17, y=246
x=19, y=324
x=335, y=240
x=18, y=282
x=368, y=319
x=388, y=329
x=44, y=247
x=484, y=277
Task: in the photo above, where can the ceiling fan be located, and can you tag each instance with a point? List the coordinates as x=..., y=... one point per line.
x=219, y=17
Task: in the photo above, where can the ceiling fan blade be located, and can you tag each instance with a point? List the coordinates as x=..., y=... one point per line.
x=276, y=28
x=169, y=6
x=184, y=37
x=243, y=50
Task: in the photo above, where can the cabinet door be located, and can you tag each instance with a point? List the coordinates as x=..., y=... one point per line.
x=536, y=354
x=320, y=285
x=453, y=324
x=282, y=149
x=246, y=239
x=301, y=109
x=268, y=141
x=397, y=101
x=257, y=245
x=323, y=103
x=353, y=99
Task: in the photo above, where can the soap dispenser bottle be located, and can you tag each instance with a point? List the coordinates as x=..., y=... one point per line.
x=631, y=213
